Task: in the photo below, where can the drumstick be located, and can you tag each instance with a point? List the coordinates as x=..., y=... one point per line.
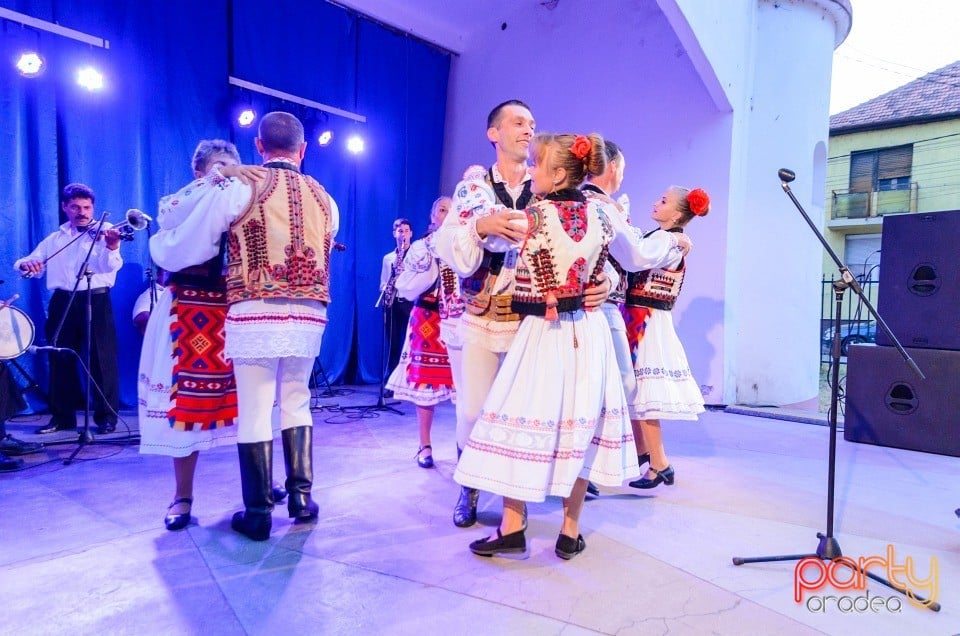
x=9, y=301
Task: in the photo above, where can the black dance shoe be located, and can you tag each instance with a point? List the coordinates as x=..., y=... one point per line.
x=510, y=544
x=664, y=477
x=8, y=464
x=465, y=512
x=425, y=461
x=13, y=447
x=181, y=521
x=56, y=424
x=592, y=489
x=106, y=427
x=568, y=547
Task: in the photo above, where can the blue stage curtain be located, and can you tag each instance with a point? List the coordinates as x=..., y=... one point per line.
x=166, y=74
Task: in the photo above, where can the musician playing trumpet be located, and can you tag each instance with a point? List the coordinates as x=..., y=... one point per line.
x=62, y=272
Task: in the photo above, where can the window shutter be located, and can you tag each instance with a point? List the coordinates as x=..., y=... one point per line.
x=895, y=162
x=862, y=171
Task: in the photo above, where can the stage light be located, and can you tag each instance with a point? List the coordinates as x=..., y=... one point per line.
x=325, y=137
x=355, y=144
x=90, y=78
x=30, y=64
x=246, y=117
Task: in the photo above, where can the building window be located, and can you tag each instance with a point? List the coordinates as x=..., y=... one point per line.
x=883, y=169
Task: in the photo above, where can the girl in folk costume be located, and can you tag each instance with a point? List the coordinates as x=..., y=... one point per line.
x=556, y=414
x=666, y=388
x=423, y=375
x=187, y=397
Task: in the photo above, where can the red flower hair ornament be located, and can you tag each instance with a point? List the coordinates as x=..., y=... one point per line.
x=581, y=147
x=699, y=201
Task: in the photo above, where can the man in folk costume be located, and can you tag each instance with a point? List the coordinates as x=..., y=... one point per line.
x=280, y=232
x=488, y=325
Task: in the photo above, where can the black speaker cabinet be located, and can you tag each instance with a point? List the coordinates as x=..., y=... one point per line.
x=919, y=293
x=888, y=405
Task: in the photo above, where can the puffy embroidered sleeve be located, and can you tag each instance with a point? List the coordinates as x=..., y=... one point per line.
x=192, y=220
x=636, y=253
x=419, y=271
x=456, y=242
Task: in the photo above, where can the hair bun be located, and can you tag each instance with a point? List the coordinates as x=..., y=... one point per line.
x=699, y=201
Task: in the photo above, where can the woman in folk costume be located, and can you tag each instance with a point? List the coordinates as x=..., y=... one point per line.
x=556, y=414
x=187, y=397
x=423, y=375
x=666, y=389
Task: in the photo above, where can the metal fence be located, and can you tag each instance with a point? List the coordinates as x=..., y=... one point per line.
x=856, y=324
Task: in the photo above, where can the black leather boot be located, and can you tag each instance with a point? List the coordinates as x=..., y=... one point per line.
x=256, y=480
x=298, y=458
x=465, y=512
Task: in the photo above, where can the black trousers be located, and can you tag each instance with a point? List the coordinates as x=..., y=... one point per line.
x=66, y=389
x=11, y=399
x=399, y=317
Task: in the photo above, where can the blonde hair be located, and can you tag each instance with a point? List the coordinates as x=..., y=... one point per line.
x=556, y=150
x=434, y=210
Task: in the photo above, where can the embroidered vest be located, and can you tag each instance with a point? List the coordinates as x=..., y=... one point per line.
x=279, y=246
x=476, y=289
x=619, y=293
x=656, y=288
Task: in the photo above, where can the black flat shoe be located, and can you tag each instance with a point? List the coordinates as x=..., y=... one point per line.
x=513, y=543
x=664, y=477
x=55, y=426
x=592, y=489
x=568, y=547
x=106, y=427
x=181, y=521
x=427, y=461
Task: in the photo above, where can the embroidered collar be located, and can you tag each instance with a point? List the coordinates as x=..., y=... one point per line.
x=566, y=194
x=282, y=162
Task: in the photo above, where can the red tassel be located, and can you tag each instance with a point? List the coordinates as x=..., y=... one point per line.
x=551, y=313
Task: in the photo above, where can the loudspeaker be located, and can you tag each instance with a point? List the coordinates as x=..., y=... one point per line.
x=889, y=405
x=919, y=292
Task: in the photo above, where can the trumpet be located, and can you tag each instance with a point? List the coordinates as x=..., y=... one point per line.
x=135, y=220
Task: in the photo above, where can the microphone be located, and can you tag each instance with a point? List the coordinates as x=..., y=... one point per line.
x=35, y=349
x=786, y=175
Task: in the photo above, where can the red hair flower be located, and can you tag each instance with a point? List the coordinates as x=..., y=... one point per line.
x=699, y=201
x=581, y=147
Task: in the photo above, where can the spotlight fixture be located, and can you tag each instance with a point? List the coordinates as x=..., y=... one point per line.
x=246, y=117
x=355, y=144
x=325, y=137
x=90, y=78
x=30, y=64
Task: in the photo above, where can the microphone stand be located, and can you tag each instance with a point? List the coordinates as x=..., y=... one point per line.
x=385, y=302
x=828, y=548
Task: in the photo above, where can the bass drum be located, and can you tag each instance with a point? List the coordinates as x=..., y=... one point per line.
x=16, y=332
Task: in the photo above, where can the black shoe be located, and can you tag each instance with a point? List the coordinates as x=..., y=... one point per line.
x=425, y=461
x=568, y=547
x=180, y=521
x=465, y=512
x=13, y=447
x=106, y=427
x=664, y=477
x=513, y=543
x=56, y=425
x=8, y=463
x=592, y=489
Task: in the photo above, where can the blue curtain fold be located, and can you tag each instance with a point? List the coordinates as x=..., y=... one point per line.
x=166, y=73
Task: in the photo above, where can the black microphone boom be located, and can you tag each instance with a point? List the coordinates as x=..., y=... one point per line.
x=786, y=175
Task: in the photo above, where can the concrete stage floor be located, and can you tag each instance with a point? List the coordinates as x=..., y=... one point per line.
x=84, y=550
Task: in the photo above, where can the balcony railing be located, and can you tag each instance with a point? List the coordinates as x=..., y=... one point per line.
x=860, y=205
